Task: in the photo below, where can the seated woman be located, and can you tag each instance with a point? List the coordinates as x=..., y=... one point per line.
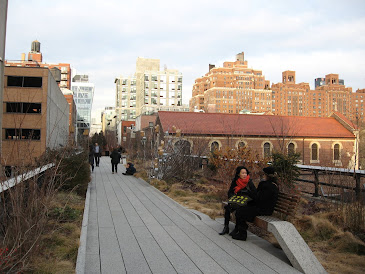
x=264, y=204
x=241, y=183
x=130, y=169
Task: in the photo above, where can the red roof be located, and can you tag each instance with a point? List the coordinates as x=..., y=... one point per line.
x=253, y=125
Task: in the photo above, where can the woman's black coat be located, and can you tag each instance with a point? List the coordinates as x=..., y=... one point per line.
x=115, y=157
x=250, y=191
x=263, y=204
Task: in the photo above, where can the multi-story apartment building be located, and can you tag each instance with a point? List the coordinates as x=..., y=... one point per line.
x=83, y=92
x=289, y=98
x=36, y=115
x=148, y=90
x=35, y=59
x=330, y=95
x=358, y=105
x=233, y=88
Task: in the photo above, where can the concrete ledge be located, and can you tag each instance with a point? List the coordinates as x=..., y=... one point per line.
x=295, y=248
x=81, y=255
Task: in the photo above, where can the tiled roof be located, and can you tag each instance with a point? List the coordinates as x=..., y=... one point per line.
x=252, y=125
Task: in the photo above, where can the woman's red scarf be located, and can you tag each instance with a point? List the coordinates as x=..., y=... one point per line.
x=241, y=184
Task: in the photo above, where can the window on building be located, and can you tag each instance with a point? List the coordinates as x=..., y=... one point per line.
x=182, y=147
x=214, y=147
x=291, y=148
x=314, y=152
x=32, y=107
x=24, y=81
x=33, y=134
x=241, y=145
x=267, y=150
x=14, y=107
x=336, y=152
x=15, y=134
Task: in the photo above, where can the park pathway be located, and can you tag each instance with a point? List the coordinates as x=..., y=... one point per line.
x=131, y=227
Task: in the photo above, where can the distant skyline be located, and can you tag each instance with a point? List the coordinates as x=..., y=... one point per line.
x=104, y=38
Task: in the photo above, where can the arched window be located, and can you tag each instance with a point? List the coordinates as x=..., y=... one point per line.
x=182, y=147
x=291, y=148
x=336, y=152
x=241, y=145
x=214, y=147
x=267, y=150
x=314, y=152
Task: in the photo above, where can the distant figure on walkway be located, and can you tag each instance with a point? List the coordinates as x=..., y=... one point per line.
x=115, y=160
x=265, y=201
x=91, y=157
x=97, y=154
x=130, y=169
x=241, y=184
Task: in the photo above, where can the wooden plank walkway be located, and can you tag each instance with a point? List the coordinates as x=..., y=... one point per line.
x=131, y=227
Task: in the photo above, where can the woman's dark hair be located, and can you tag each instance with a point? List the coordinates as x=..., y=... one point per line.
x=238, y=170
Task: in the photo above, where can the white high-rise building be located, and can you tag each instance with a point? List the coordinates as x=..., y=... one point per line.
x=148, y=90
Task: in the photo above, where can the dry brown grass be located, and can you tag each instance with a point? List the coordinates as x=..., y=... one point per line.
x=59, y=246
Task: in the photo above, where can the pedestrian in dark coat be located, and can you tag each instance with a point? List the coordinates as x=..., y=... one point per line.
x=130, y=169
x=115, y=159
x=97, y=154
x=91, y=157
x=264, y=203
x=240, y=185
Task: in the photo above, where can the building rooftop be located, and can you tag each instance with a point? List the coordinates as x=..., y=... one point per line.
x=253, y=125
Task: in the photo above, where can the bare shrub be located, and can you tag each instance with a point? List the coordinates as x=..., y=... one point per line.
x=26, y=207
x=224, y=163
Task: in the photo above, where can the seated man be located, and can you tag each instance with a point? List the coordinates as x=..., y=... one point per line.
x=130, y=169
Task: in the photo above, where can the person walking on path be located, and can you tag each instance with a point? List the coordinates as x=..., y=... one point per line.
x=91, y=157
x=264, y=203
x=115, y=159
x=130, y=169
x=97, y=154
x=241, y=184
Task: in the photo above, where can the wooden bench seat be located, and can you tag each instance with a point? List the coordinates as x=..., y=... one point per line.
x=286, y=207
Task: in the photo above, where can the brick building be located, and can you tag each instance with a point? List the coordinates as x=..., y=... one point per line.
x=325, y=141
x=35, y=59
x=233, y=88
x=36, y=115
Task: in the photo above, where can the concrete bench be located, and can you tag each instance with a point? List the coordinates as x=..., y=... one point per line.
x=289, y=239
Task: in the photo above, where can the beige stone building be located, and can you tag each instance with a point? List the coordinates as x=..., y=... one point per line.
x=148, y=90
x=35, y=116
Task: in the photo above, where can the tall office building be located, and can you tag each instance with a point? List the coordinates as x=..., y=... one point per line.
x=233, y=88
x=83, y=92
x=148, y=90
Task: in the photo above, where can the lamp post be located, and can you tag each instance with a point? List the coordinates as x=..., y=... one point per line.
x=144, y=139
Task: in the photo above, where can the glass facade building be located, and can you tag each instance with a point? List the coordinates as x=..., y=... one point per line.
x=83, y=92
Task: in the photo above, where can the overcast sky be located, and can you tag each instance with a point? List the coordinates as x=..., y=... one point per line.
x=103, y=38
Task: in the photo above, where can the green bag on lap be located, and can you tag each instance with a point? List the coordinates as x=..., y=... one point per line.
x=239, y=200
